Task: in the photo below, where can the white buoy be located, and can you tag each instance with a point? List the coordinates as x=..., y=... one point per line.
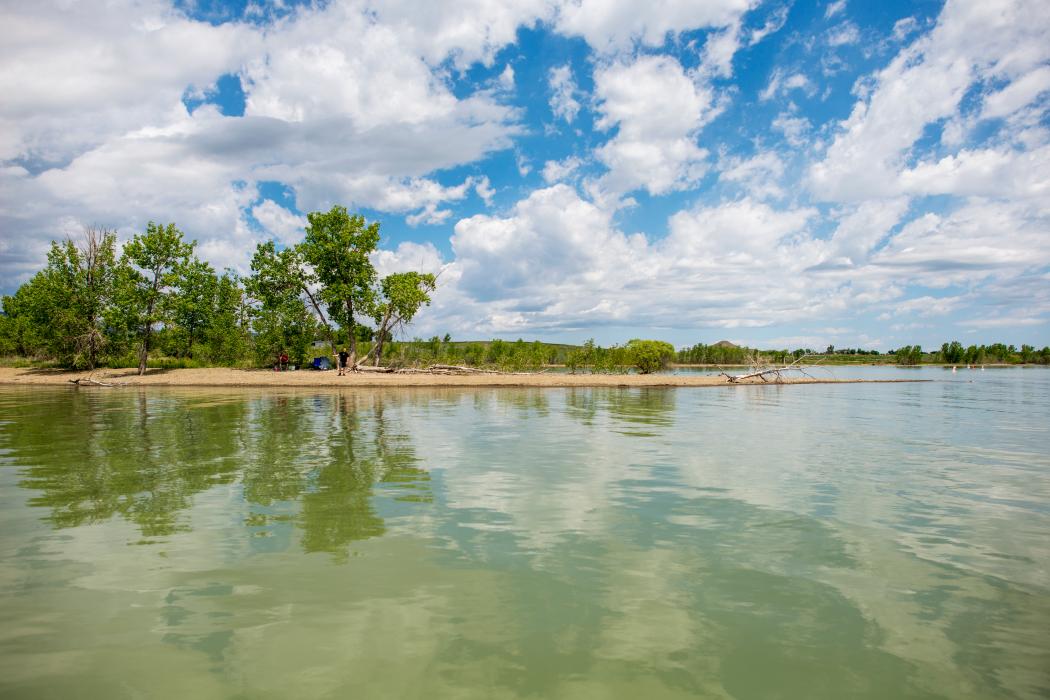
x=953, y=368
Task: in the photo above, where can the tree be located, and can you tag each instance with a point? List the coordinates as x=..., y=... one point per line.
x=60, y=311
x=155, y=257
x=26, y=313
x=401, y=296
x=337, y=246
x=909, y=355
x=192, y=303
x=226, y=336
x=649, y=355
x=92, y=272
x=952, y=352
x=279, y=275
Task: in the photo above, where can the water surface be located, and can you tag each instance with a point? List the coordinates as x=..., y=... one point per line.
x=821, y=541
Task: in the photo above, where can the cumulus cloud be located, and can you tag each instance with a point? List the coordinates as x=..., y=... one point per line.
x=658, y=110
x=613, y=26
x=557, y=262
x=556, y=170
x=281, y=224
x=971, y=42
x=339, y=106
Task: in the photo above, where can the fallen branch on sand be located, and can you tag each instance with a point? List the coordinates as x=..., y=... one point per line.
x=768, y=371
x=89, y=380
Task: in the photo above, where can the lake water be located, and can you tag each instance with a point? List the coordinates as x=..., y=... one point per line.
x=822, y=541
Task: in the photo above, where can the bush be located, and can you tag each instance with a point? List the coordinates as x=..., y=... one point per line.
x=649, y=356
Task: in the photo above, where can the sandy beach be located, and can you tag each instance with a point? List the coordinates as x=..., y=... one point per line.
x=223, y=376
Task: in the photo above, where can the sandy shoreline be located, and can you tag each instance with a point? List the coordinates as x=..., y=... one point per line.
x=226, y=377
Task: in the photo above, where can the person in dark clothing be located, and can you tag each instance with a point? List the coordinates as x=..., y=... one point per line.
x=284, y=361
x=344, y=356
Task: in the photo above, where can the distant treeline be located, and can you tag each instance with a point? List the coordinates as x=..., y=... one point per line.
x=954, y=353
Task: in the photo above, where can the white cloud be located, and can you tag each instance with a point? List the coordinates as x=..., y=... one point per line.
x=780, y=84
x=759, y=175
x=280, y=223
x=556, y=262
x=611, y=26
x=360, y=122
x=74, y=77
x=557, y=170
x=484, y=189
x=834, y=8
x=793, y=127
x=563, y=90
x=904, y=27
x=773, y=24
x=843, y=34
x=1017, y=94
x=971, y=42
x=981, y=240
x=506, y=78
x=1012, y=321
x=926, y=306
x=653, y=148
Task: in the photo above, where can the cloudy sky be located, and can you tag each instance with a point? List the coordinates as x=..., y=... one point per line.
x=778, y=173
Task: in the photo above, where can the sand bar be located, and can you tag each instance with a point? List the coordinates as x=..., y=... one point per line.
x=223, y=376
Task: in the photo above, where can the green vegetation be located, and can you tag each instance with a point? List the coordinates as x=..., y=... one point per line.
x=155, y=304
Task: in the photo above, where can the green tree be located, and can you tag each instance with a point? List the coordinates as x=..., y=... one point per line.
x=155, y=257
x=337, y=246
x=227, y=335
x=192, y=303
x=60, y=311
x=649, y=355
x=279, y=275
x=952, y=352
x=25, y=321
x=401, y=296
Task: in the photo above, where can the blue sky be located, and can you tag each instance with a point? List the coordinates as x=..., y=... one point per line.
x=777, y=173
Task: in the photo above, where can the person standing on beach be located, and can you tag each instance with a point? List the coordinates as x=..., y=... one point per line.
x=343, y=357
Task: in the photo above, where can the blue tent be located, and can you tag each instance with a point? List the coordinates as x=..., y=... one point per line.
x=322, y=363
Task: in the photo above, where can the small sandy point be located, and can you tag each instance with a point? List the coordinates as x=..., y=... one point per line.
x=227, y=377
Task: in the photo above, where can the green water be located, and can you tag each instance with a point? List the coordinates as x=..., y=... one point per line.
x=875, y=541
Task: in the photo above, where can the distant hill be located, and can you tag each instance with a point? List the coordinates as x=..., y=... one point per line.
x=725, y=344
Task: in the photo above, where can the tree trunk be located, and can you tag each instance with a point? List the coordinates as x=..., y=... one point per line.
x=320, y=314
x=144, y=350
x=351, y=328
x=381, y=337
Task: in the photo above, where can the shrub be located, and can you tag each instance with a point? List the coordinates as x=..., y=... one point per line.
x=649, y=356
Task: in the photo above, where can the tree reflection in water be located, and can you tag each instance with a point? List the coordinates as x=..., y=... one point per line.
x=312, y=461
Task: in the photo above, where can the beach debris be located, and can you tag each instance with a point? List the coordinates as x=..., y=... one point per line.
x=763, y=372
x=91, y=381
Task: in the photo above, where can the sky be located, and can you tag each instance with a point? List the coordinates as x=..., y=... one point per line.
x=780, y=174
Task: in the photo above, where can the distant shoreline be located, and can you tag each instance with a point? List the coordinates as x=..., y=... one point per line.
x=228, y=377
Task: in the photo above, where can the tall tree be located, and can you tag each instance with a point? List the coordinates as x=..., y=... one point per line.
x=401, y=296
x=228, y=333
x=338, y=246
x=279, y=275
x=192, y=302
x=156, y=257
x=62, y=307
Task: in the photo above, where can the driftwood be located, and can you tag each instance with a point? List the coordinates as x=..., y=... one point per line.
x=763, y=373
x=89, y=380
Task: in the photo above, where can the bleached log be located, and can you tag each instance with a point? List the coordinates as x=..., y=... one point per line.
x=769, y=371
